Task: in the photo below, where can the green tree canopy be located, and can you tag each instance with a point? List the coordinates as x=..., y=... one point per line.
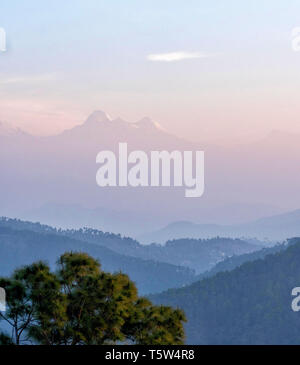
x=81, y=304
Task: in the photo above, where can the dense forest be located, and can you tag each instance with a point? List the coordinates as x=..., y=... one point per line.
x=232, y=262
x=248, y=305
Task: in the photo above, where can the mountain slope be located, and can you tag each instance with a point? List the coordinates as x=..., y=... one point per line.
x=276, y=227
x=199, y=255
x=249, y=305
x=21, y=247
x=232, y=262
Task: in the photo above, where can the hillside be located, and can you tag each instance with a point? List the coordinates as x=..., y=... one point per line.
x=275, y=227
x=199, y=255
x=21, y=247
x=232, y=262
x=249, y=305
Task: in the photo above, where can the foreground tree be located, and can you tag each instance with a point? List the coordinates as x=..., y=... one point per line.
x=80, y=304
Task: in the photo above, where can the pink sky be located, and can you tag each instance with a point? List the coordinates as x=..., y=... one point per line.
x=209, y=72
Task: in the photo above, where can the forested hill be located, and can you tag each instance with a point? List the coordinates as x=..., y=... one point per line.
x=232, y=262
x=197, y=254
x=21, y=247
x=249, y=305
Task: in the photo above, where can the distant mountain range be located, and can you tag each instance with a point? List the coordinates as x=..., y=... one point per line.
x=199, y=255
x=20, y=246
x=249, y=305
x=277, y=227
x=195, y=255
x=53, y=178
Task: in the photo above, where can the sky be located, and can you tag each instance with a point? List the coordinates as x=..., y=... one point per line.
x=205, y=70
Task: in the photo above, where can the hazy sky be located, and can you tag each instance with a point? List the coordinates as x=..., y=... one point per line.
x=203, y=69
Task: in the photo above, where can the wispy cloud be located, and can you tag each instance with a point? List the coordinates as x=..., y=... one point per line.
x=29, y=79
x=176, y=56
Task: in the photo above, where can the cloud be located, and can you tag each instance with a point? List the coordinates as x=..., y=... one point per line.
x=176, y=56
x=29, y=79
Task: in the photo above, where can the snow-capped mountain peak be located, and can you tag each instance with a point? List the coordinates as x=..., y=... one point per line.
x=148, y=123
x=98, y=116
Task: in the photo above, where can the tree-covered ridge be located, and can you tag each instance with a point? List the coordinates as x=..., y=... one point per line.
x=197, y=254
x=232, y=262
x=79, y=304
x=19, y=224
x=22, y=247
x=248, y=305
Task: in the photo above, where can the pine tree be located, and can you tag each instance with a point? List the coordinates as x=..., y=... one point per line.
x=80, y=304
